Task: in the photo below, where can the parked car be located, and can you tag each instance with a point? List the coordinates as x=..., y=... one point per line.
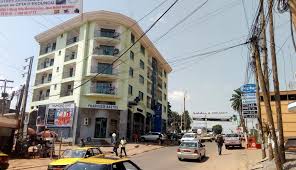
x=104, y=163
x=207, y=137
x=290, y=145
x=71, y=156
x=3, y=161
x=191, y=150
x=232, y=140
x=154, y=137
x=189, y=137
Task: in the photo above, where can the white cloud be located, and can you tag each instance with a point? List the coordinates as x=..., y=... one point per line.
x=177, y=96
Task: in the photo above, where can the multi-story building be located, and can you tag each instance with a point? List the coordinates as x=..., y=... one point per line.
x=288, y=99
x=79, y=63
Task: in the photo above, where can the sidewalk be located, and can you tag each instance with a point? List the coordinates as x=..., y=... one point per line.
x=41, y=163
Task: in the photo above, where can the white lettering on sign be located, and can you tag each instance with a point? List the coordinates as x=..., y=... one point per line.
x=103, y=106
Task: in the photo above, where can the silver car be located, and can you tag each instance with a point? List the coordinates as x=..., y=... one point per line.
x=154, y=136
x=191, y=150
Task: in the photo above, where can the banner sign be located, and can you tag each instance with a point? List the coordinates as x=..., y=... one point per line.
x=103, y=106
x=60, y=115
x=249, y=101
x=39, y=7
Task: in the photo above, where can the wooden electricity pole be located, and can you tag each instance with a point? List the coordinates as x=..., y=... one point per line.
x=265, y=92
x=276, y=83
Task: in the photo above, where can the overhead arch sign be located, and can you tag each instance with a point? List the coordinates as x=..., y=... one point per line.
x=39, y=7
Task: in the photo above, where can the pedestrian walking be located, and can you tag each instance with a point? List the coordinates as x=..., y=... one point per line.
x=219, y=141
x=115, y=144
x=122, y=146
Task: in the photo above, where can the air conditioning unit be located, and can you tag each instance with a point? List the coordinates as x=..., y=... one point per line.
x=86, y=121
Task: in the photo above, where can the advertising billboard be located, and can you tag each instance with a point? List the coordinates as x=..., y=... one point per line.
x=60, y=115
x=249, y=104
x=39, y=7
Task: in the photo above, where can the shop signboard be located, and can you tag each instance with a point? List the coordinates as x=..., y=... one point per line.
x=60, y=115
x=103, y=106
x=39, y=7
x=249, y=101
x=157, y=118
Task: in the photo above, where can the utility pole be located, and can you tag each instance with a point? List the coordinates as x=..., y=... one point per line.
x=276, y=84
x=184, y=109
x=25, y=97
x=263, y=45
x=259, y=111
x=257, y=59
x=4, y=94
x=266, y=76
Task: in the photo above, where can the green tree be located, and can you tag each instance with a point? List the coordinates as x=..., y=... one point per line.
x=174, y=119
x=217, y=129
x=187, y=120
x=236, y=105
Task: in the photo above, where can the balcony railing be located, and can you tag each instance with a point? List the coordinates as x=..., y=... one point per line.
x=68, y=74
x=68, y=92
x=69, y=57
x=100, y=33
x=41, y=97
x=105, y=51
x=149, y=75
x=103, y=89
x=72, y=40
x=49, y=48
x=149, y=90
x=38, y=82
x=107, y=70
x=45, y=65
x=159, y=85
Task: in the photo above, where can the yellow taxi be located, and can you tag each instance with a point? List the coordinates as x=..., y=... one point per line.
x=71, y=156
x=103, y=163
x=3, y=161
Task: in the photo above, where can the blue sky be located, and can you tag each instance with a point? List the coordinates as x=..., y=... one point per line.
x=209, y=82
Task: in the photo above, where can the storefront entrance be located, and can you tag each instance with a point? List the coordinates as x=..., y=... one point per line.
x=100, y=128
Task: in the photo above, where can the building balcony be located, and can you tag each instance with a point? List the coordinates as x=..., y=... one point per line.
x=42, y=82
x=104, y=54
x=102, y=90
x=110, y=37
x=40, y=98
x=108, y=74
x=68, y=92
x=45, y=64
x=72, y=40
x=48, y=48
x=70, y=57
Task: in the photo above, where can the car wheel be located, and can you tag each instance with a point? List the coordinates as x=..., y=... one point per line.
x=226, y=147
x=180, y=159
x=240, y=146
x=142, y=139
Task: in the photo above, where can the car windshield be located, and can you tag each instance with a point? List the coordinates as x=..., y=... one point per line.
x=87, y=166
x=188, y=136
x=74, y=153
x=232, y=135
x=188, y=145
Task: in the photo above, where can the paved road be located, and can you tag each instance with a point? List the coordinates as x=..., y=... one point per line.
x=166, y=159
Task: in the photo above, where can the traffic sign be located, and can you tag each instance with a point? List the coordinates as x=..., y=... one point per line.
x=248, y=88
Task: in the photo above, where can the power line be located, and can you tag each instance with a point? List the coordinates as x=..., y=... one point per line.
x=182, y=20
x=245, y=13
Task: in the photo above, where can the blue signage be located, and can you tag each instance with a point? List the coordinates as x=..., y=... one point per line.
x=157, y=118
x=248, y=88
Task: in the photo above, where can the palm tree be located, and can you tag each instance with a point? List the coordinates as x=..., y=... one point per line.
x=236, y=105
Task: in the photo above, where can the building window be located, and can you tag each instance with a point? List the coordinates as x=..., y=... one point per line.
x=130, y=90
x=132, y=55
x=47, y=93
x=132, y=38
x=142, y=49
x=164, y=109
x=141, y=79
x=104, y=68
x=58, y=68
x=165, y=85
x=164, y=97
x=142, y=65
x=131, y=72
x=60, y=52
x=55, y=86
x=165, y=74
x=141, y=95
x=49, y=77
